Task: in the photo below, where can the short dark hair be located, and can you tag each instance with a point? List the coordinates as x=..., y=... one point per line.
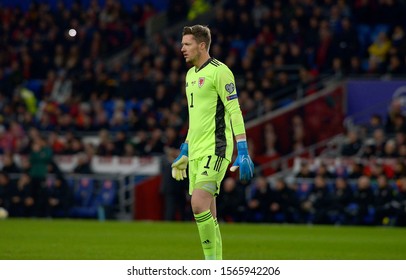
x=200, y=32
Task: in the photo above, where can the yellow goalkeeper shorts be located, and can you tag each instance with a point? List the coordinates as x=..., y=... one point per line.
x=207, y=169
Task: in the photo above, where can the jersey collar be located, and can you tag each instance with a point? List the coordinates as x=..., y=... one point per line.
x=203, y=65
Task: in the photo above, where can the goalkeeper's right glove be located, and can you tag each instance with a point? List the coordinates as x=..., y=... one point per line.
x=179, y=165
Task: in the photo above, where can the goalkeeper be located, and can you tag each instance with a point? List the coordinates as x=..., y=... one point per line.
x=214, y=117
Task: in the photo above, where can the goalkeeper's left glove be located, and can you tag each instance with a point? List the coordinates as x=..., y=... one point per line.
x=243, y=161
x=179, y=165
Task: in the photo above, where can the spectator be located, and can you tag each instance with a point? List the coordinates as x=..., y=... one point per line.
x=399, y=125
x=298, y=130
x=129, y=150
x=231, y=204
x=375, y=170
x=258, y=12
x=25, y=164
x=22, y=203
x=399, y=169
x=155, y=144
x=352, y=144
x=395, y=66
x=341, y=198
x=177, y=11
x=104, y=146
x=56, y=143
x=337, y=68
x=378, y=142
x=5, y=186
x=324, y=51
x=379, y=49
x=305, y=171
x=284, y=204
x=62, y=89
x=119, y=142
x=346, y=41
x=395, y=110
x=400, y=203
x=390, y=149
x=314, y=208
x=384, y=201
x=375, y=122
x=9, y=166
x=83, y=165
x=40, y=158
x=174, y=192
x=364, y=211
x=271, y=141
x=356, y=170
x=398, y=39
x=258, y=200
x=323, y=171
x=402, y=151
x=59, y=198
x=355, y=68
x=74, y=146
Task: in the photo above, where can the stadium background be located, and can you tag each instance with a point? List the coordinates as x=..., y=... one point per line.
x=90, y=123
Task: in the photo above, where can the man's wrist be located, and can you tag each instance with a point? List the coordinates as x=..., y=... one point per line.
x=184, y=149
x=242, y=145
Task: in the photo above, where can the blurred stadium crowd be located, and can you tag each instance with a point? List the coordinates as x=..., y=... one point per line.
x=55, y=88
x=364, y=183
x=355, y=192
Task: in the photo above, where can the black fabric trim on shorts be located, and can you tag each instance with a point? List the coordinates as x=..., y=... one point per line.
x=217, y=165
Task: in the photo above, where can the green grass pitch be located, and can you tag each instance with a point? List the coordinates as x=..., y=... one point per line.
x=37, y=239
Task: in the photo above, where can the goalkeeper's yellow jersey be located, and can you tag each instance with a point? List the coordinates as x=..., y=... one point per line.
x=212, y=100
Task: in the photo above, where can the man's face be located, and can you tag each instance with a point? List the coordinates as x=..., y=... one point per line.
x=191, y=50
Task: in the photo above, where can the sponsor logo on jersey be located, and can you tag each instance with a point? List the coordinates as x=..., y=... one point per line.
x=230, y=88
x=201, y=82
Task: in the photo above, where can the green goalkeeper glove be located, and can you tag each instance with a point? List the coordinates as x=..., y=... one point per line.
x=179, y=165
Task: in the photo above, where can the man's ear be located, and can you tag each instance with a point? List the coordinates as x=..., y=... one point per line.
x=202, y=46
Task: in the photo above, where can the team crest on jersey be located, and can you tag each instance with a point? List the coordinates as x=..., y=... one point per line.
x=230, y=88
x=201, y=82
